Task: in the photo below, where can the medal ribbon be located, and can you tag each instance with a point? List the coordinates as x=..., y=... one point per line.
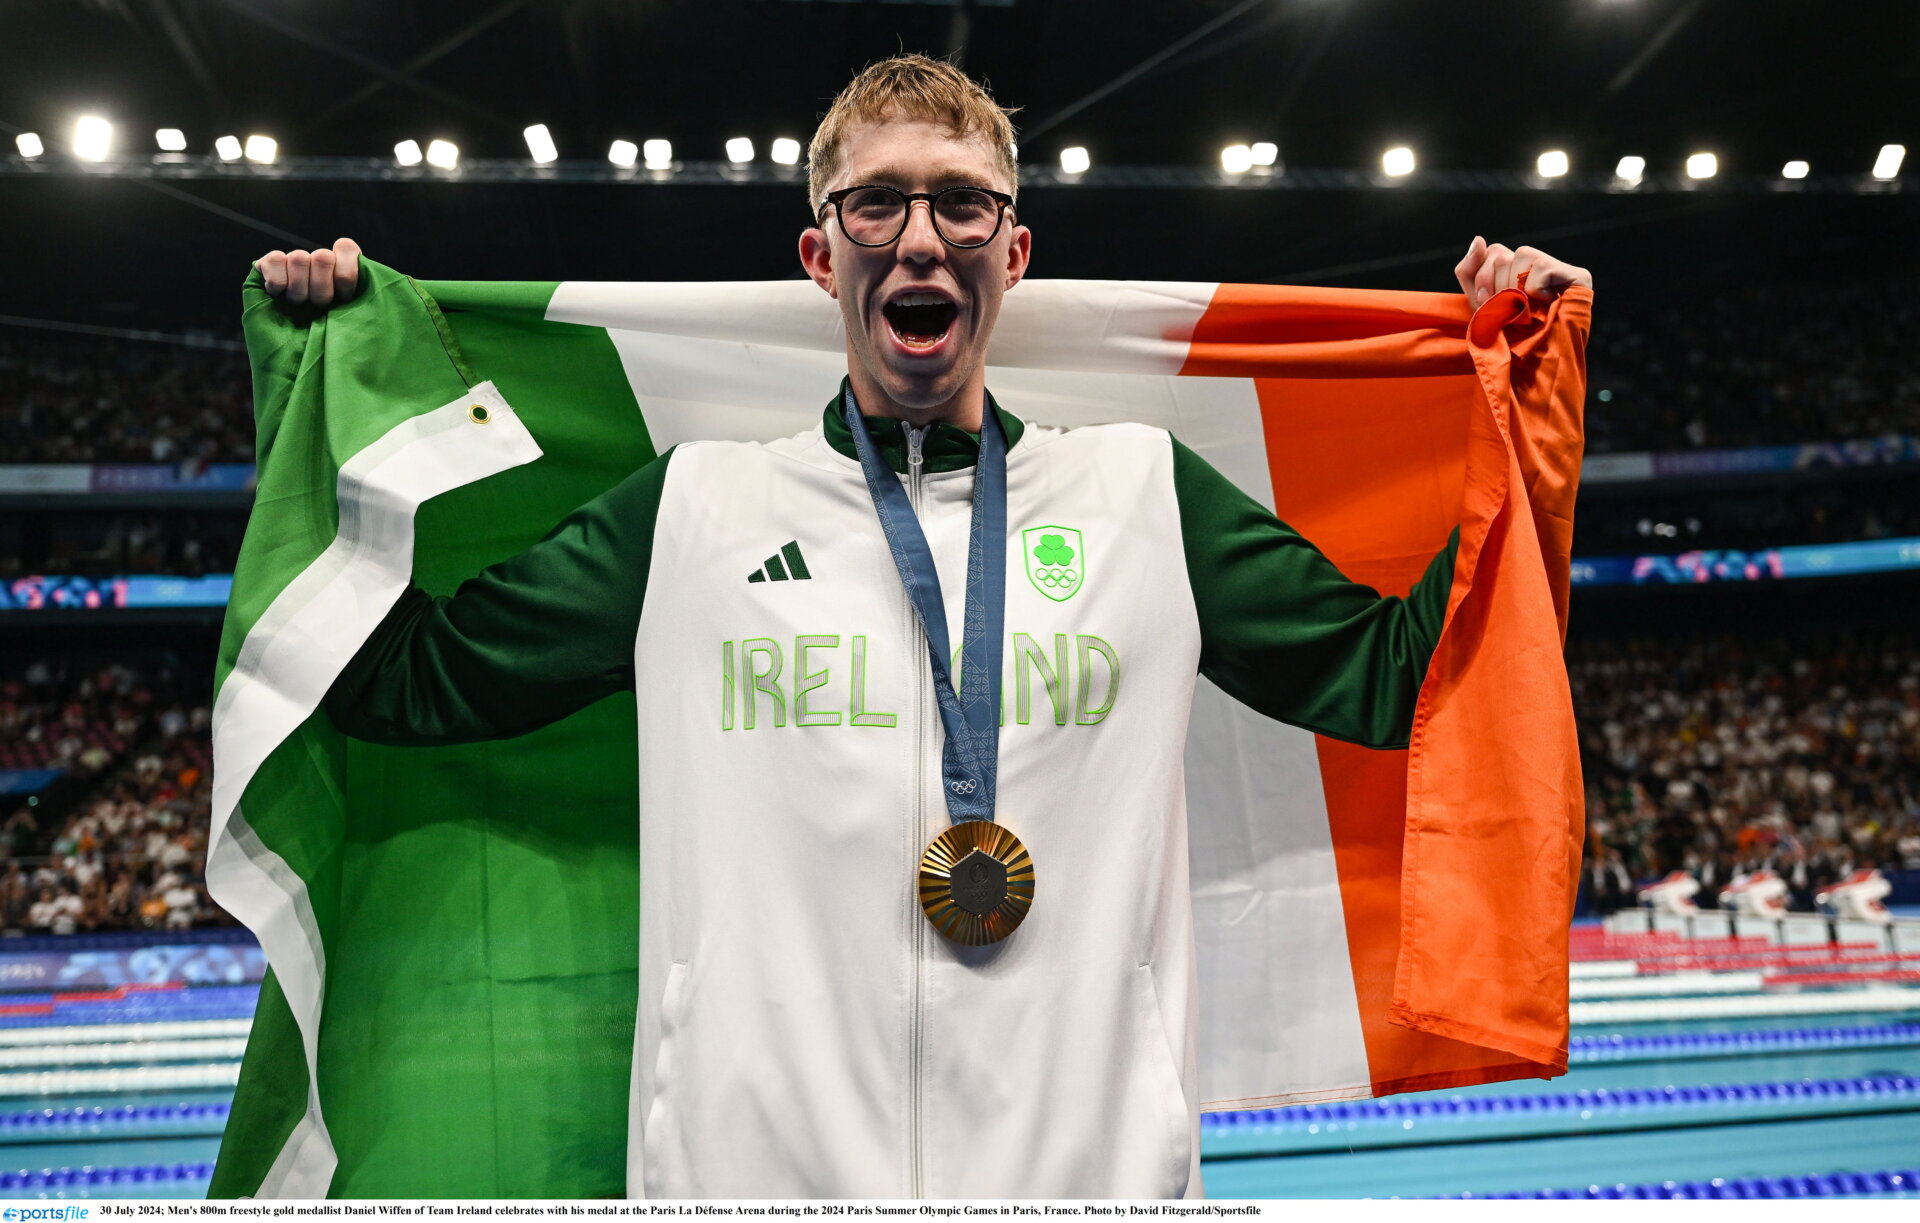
x=971, y=715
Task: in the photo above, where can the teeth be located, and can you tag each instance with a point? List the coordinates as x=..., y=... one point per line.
x=920, y=299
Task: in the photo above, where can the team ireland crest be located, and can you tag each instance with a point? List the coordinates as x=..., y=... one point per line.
x=1056, y=561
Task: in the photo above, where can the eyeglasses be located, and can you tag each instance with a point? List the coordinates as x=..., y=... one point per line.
x=875, y=216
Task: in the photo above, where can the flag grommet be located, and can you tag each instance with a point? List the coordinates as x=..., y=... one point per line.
x=478, y=414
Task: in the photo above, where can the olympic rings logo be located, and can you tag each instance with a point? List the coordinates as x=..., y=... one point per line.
x=1057, y=577
x=963, y=787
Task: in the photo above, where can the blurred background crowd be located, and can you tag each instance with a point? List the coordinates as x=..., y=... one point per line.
x=1725, y=754
x=1753, y=364
x=68, y=399
x=118, y=840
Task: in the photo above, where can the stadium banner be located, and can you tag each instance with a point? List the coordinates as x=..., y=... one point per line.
x=1893, y=448
x=116, y=971
x=1635, y=466
x=33, y=478
x=1749, y=565
x=43, y=592
x=79, y=478
x=189, y=477
x=452, y=931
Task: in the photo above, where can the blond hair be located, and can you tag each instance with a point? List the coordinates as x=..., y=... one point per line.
x=911, y=87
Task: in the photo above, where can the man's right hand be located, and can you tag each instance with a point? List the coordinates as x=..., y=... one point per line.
x=320, y=278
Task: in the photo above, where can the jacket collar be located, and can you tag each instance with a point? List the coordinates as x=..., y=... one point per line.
x=945, y=448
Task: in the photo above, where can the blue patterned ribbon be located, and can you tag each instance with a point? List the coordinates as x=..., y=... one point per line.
x=971, y=716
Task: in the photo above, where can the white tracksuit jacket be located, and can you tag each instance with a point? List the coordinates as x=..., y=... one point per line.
x=802, y=1030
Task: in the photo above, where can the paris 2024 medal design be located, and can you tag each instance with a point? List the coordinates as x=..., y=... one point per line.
x=976, y=882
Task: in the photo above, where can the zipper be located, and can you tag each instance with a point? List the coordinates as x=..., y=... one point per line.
x=915, y=470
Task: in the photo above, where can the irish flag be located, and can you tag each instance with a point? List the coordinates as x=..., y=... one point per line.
x=451, y=932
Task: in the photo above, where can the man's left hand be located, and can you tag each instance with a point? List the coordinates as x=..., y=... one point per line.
x=1488, y=269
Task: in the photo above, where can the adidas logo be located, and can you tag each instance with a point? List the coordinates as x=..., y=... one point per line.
x=777, y=569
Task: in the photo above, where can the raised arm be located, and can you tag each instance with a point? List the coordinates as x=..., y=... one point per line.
x=1285, y=632
x=522, y=644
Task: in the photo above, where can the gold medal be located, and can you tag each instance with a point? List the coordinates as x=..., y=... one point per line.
x=976, y=882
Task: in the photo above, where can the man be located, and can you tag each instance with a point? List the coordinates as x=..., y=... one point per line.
x=827, y=1006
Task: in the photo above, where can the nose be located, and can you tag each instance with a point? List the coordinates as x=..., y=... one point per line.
x=920, y=242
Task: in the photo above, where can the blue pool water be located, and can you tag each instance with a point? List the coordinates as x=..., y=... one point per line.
x=1774, y=1105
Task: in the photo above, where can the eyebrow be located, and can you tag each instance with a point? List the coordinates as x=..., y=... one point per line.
x=944, y=176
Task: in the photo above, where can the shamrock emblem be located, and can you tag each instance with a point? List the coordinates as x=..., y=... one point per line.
x=1052, y=550
x=1056, y=560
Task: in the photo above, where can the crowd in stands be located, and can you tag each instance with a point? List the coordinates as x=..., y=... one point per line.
x=1752, y=364
x=49, y=720
x=1723, y=755
x=97, y=543
x=1718, y=755
x=129, y=850
x=65, y=399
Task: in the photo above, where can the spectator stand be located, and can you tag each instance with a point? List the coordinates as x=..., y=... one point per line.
x=122, y=843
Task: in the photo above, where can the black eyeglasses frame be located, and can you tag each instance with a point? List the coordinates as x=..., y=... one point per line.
x=833, y=199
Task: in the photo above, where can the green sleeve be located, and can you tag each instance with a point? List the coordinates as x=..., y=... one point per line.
x=1285, y=632
x=522, y=644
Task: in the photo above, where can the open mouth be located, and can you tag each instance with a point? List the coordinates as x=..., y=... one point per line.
x=920, y=320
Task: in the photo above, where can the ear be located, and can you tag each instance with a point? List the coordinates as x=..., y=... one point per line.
x=816, y=256
x=1019, y=252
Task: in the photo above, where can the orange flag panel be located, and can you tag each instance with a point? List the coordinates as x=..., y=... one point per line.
x=1391, y=418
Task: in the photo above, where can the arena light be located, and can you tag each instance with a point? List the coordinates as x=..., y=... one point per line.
x=92, y=138
x=658, y=154
x=1397, y=162
x=623, y=153
x=29, y=144
x=1552, y=164
x=1236, y=159
x=1265, y=152
x=228, y=147
x=1795, y=169
x=1630, y=169
x=1702, y=165
x=171, y=140
x=443, y=154
x=740, y=150
x=540, y=145
x=262, y=149
x=1887, y=165
x=786, y=151
x=407, y=152
x=1075, y=160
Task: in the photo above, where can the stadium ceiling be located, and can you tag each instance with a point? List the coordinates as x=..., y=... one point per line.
x=722, y=173
x=1157, y=86
x=1152, y=89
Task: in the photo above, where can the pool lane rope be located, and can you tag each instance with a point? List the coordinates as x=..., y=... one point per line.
x=1903, y=1182
x=1892, y=1091
x=1825, y=1002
